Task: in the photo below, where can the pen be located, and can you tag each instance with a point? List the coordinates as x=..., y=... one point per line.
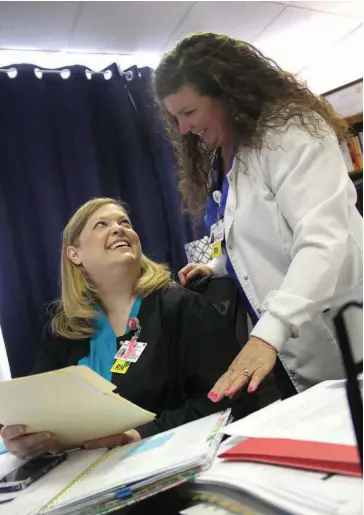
x=58, y=453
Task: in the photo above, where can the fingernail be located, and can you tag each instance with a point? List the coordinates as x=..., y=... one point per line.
x=251, y=389
x=213, y=396
x=228, y=391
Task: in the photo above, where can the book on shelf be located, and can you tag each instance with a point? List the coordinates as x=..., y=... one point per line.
x=352, y=151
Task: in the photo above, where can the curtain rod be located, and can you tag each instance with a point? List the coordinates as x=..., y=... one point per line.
x=66, y=73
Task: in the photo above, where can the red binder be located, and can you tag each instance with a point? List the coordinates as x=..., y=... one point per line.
x=324, y=457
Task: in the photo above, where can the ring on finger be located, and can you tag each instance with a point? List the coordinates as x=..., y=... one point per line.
x=246, y=372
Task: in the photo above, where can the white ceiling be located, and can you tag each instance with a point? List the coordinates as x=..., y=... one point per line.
x=318, y=40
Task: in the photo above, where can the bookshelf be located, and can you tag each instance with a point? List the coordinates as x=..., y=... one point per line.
x=348, y=102
x=352, y=149
x=355, y=119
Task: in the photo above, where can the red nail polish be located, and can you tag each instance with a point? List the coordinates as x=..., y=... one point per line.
x=213, y=396
x=251, y=389
x=228, y=391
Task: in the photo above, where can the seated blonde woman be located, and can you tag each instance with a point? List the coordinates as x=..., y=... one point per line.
x=111, y=292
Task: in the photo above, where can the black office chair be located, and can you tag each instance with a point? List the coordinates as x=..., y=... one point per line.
x=223, y=293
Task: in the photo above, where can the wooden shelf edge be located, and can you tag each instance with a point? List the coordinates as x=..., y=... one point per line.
x=355, y=173
x=356, y=118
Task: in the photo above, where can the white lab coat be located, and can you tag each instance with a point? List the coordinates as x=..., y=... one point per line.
x=295, y=237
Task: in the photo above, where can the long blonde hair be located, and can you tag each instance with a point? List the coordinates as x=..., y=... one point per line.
x=76, y=309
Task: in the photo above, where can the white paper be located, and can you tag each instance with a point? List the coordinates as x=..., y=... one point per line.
x=320, y=414
x=296, y=491
x=205, y=509
x=182, y=447
x=42, y=491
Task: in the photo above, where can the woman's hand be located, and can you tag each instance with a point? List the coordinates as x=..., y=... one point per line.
x=27, y=446
x=192, y=271
x=114, y=440
x=252, y=365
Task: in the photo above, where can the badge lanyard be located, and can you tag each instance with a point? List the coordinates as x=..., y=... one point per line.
x=217, y=234
x=130, y=351
x=132, y=344
x=217, y=229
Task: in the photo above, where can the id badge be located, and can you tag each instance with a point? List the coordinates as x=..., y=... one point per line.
x=134, y=355
x=216, y=249
x=217, y=233
x=120, y=367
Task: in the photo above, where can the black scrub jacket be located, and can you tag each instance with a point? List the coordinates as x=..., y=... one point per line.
x=189, y=346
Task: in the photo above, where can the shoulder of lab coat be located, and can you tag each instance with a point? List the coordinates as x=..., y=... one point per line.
x=309, y=178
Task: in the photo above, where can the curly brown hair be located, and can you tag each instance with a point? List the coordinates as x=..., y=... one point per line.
x=258, y=96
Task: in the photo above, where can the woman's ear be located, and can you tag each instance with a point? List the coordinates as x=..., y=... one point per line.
x=73, y=255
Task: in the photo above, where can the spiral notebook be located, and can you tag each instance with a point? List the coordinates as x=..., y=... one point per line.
x=128, y=474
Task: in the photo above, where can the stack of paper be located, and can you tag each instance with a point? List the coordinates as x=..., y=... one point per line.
x=312, y=430
x=320, y=414
x=295, y=491
x=74, y=403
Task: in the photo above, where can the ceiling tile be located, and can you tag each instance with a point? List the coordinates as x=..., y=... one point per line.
x=36, y=25
x=241, y=20
x=299, y=36
x=126, y=27
x=337, y=66
x=351, y=8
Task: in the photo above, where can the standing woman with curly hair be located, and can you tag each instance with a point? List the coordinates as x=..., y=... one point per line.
x=259, y=153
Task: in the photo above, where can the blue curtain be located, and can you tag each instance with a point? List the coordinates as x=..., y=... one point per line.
x=62, y=142
x=161, y=154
